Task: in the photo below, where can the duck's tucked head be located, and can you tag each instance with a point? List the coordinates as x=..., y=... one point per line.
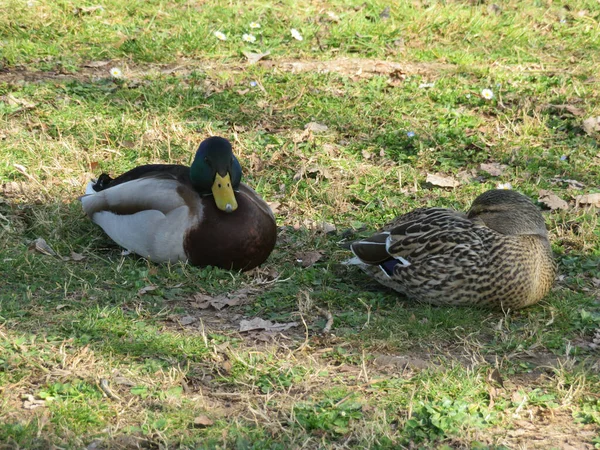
x=508, y=212
x=217, y=171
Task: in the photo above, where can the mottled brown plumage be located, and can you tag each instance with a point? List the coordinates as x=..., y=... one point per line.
x=497, y=255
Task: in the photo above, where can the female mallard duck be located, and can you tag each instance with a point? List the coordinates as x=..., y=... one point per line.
x=202, y=214
x=497, y=255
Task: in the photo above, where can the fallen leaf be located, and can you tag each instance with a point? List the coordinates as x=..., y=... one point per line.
x=32, y=403
x=202, y=421
x=495, y=377
x=326, y=227
x=574, y=184
x=588, y=199
x=17, y=102
x=316, y=127
x=77, y=256
x=260, y=324
x=494, y=169
x=591, y=125
x=552, y=201
x=87, y=9
x=441, y=180
x=494, y=9
x=319, y=170
x=128, y=144
x=40, y=245
x=123, y=381
x=187, y=320
x=307, y=259
x=219, y=302
x=385, y=14
x=366, y=154
x=147, y=289
x=95, y=64
x=274, y=206
x=253, y=58
x=568, y=108
x=298, y=175
x=396, y=77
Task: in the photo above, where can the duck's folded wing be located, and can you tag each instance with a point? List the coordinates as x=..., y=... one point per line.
x=149, y=233
x=143, y=194
x=438, y=253
x=372, y=250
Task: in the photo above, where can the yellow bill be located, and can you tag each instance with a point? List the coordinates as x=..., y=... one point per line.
x=223, y=193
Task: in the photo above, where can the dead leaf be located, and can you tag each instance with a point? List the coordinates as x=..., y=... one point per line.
x=385, y=14
x=40, y=245
x=95, y=64
x=591, y=125
x=253, y=58
x=202, y=421
x=366, y=154
x=147, y=289
x=298, y=175
x=274, y=206
x=494, y=169
x=32, y=403
x=494, y=9
x=187, y=320
x=319, y=170
x=77, y=256
x=260, y=324
x=307, y=259
x=316, y=127
x=11, y=100
x=397, y=77
x=573, y=184
x=128, y=144
x=495, y=377
x=204, y=301
x=568, y=108
x=123, y=381
x=87, y=9
x=326, y=227
x=552, y=201
x=441, y=180
x=588, y=199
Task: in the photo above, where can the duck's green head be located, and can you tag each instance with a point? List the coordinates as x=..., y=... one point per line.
x=217, y=171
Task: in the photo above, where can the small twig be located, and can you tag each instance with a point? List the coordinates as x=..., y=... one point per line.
x=329, y=317
x=364, y=367
x=366, y=324
x=306, y=339
x=226, y=394
x=106, y=389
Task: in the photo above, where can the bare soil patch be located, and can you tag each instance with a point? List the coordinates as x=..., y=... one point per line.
x=357, y=68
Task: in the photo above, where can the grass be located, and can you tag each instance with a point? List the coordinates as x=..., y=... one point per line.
x=91, y=358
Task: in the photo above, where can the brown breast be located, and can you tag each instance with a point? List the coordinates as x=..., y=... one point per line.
x=240, y=240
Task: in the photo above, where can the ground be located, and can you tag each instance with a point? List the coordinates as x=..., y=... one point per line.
x=380, y=108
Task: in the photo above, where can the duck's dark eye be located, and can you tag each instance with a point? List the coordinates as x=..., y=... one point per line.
x=227, y=184
x=219, y=185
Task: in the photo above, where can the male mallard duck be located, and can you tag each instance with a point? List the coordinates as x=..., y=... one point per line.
x=497, y=255
x=202, y=214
